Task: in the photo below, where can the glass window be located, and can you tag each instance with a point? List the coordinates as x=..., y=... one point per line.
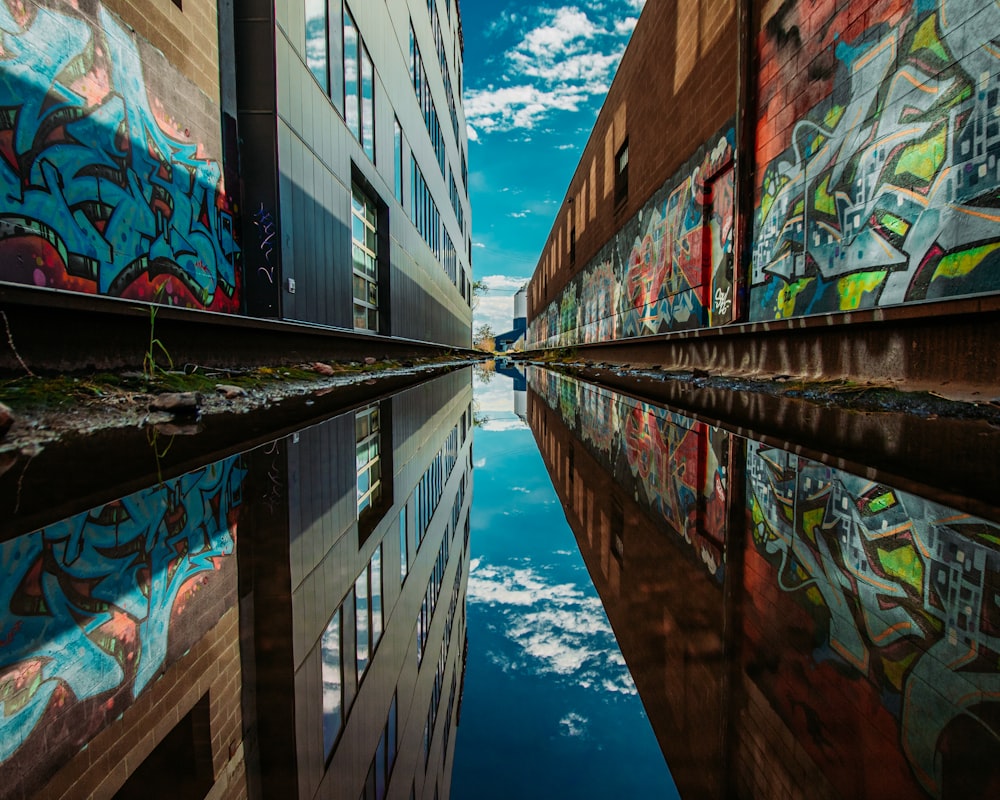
x=352, y=70
x=333, y=681
x=364, y=237
x=621, y=173
x=361, y=616
x=375, y=570
x=367, y=432
x=317, y=42
x=404, y=546
x=367, y=104
x=397, y=146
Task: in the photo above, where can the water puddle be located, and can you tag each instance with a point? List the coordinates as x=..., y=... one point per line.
x=537, y=587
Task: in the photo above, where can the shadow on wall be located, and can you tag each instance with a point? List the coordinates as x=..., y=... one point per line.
x=103, y=192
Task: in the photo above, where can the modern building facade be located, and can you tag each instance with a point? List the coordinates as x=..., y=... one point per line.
x=287, y=159
x=288, y=621
x=770, y=161
x=358, y=568
x=355, y=165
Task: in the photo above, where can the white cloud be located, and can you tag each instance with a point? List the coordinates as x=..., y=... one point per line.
x=558, y=629
x=519, y=214
x=504, y=424
x=574, y=724
x=561, y=64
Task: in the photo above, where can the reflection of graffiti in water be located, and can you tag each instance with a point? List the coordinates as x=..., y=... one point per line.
x=678, y=465
x=903, y=592
x=86, y=605
x=98, y=195
x=887, y=192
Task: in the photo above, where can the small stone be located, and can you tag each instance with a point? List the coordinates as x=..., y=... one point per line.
x=321, y=368
x=229, y=391
x=6, y=420
x=369, y=360
x=177, y=403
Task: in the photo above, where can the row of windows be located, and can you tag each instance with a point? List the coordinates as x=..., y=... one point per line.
x=442, y=55
x=359, y=87
x=456, y=201
x=359, y=116
x=358, y=70
x=431, y=595
x=435, y=702
x=423, y=209
x=422, y=89
x=364, y=603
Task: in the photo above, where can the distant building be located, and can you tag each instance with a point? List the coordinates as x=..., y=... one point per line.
x=514, y=338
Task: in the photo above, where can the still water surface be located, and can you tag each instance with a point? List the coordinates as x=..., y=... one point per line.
x=545, y=589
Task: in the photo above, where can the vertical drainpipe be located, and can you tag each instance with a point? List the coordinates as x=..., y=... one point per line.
x=736, y=516
x=746, y=141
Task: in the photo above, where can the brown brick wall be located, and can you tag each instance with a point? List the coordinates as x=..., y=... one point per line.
x=675, y=88
x=189, y=38
x=212, y=667
x=769, y=760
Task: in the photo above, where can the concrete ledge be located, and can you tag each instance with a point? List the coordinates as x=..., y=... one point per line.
x=948, y=346
x=62, y=331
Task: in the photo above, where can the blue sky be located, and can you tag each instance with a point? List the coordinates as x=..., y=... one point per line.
x=549, y=708
x=535, y=79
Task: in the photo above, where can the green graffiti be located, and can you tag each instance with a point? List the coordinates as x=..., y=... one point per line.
x=958, y=264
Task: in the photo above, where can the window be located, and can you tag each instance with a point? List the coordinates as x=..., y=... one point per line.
x=404, y=546
x=621, y=174
x=317, y=42
x=367, y=435
x=368, y=611
x=367, y=104
x=359, y=87
x=352, y=70
x=397, y=158
x=423, y=209
x=385, y=758
x=333, y=681
x=364, y=223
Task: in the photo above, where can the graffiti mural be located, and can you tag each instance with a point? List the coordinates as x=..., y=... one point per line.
x=893, y=606
x=88, y=606
x=102, y=192
x=675, y=466
x=669, y=268
x=888, y=189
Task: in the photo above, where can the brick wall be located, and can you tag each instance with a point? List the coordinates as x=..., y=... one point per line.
x=878, y=155
x=126, y=196
x=187, y=36
x=210, y=668
x=666, y=108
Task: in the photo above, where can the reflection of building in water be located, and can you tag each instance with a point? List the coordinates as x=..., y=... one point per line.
x=119, y=648
x=360, y=563
x=860, y=621
x=515, y=372
x=619, y=484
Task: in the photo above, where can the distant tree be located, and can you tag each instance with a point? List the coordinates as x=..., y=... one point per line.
x=479, y=288
x=484, y=338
